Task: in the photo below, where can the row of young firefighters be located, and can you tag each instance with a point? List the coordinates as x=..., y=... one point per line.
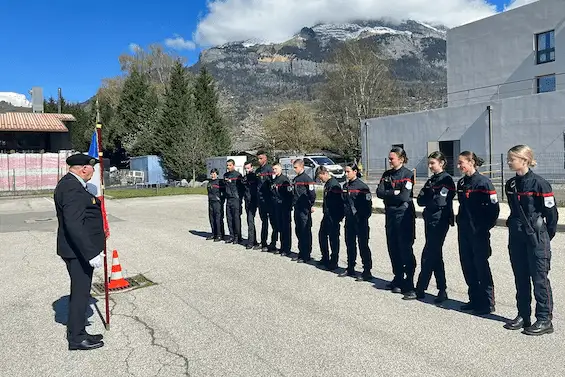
x=532, y=224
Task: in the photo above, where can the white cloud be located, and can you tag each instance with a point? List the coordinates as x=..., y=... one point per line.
x=518, y=3
x=134, y=47
x=277, y=20
x=179, y=43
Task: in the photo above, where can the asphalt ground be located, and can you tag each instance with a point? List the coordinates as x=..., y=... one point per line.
x=221, y=310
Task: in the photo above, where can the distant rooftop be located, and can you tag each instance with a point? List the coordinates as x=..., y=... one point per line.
x=35, y=122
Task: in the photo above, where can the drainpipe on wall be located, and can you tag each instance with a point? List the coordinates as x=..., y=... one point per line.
x=489, y=110
x=367, y=149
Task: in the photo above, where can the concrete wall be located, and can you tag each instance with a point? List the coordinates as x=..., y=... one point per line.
x=498, y=51
x=537, y=120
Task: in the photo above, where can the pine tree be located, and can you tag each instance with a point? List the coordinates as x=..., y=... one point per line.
x=172, y=132
x=206, y=103
x=132, y=106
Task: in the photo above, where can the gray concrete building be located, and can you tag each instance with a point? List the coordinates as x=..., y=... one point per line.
x=506, y=86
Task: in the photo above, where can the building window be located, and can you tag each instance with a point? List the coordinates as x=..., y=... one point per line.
x=546, y=84
x=545, y=47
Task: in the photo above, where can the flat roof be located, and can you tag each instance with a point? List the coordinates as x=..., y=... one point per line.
x=35, y=122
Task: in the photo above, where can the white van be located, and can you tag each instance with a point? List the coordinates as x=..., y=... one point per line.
x=311, y=165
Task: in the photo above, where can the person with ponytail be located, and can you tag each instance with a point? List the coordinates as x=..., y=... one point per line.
x=437, y=199
x=358, y=204
x=395, y=188
x=478, y=212
x=531, y=227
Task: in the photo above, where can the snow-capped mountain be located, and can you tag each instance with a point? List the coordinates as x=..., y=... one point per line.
x=15, y=99
x=265, y=74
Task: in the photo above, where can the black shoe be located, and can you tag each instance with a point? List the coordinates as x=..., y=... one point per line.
x=410, y=295
x=95, y=337
x=294, y=259
x=217, y=239
x=420, y=294
x=264, y=249
x=539, y=328
x=441, y=296
x=468, y=306
x=484, y=311
x=366, y=276
x=332, y=266
x=229, y=240
x=323, y=262
x=349, y=272
x=257, y=247
x=85, y=345
x=517, y=323
x=249, y=247
x=304, y=260
x=396, y=290
x=209, y=238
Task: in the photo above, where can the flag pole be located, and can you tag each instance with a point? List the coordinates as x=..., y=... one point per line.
x=101, y=159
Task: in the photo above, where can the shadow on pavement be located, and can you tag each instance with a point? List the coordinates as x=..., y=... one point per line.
x=61, y=309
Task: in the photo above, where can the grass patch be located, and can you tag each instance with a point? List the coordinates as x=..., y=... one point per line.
x=149, y=192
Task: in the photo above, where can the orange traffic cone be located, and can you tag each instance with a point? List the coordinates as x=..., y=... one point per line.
x=117, y=280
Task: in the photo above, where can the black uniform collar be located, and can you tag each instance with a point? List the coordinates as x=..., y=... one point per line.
x=528, y=175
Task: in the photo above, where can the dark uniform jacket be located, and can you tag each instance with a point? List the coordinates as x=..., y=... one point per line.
x=250, y=182
x=81, y=228
x=333, y=201
x=478, y=202
x=234, y=185
x=304, y=192
x=395, y=188
x=282, y=191
x=437, y=198
x=216, y=190
x=357, y=199
x=265, y=177
x=535, y=196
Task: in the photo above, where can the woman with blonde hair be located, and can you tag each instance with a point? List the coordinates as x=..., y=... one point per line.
x=531, y=226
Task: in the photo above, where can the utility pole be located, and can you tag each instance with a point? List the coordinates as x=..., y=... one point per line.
x=59, y=104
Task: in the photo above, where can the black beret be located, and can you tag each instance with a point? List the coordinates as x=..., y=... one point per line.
x=81, y=159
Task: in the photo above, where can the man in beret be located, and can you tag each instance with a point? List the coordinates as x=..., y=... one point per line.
x=80, y=243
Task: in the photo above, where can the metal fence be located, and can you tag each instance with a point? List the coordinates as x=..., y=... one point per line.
x=550, y=166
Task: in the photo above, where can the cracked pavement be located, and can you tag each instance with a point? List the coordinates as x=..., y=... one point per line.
x=221, y=310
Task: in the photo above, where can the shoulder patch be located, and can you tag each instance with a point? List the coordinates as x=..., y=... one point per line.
x=368, y=197
x=444, y=191
x=310, y=187
x=493, y=198
x=409, y=185
x=289, y=188
x=549, y=201
x=396, y=192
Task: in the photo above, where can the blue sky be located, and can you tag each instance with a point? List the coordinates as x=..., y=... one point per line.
x=75, y=44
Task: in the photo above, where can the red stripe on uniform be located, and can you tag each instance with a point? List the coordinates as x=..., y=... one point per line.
x=363, y=191
x=531, y=193
x=304, y=183
x=490, y=192
x=442, y=186
x=402, y=180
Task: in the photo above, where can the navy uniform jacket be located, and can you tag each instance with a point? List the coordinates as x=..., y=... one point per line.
x=395, y=188
x=282, y=191
x=216, y=190
x=250, y=182
x=264, y=180
x=437, y=198
x=81, y=228
x=304, y=192
x=234, y=185
x=478, y=202
x=333, y=200
x=535, y=195
x=357, y=199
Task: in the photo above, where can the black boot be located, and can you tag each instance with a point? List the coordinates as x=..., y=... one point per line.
x=441, y=296
x=410, y=295
x=539, y=328
x=517, y=323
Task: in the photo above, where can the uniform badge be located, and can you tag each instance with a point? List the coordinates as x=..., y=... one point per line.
x=93, y=201
x=493, y=199
x=409, y=185
x=368, y=197
x=444, y=191
x=549, y=201
x=310, y=187
x=396, y=192
x=289, y=188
